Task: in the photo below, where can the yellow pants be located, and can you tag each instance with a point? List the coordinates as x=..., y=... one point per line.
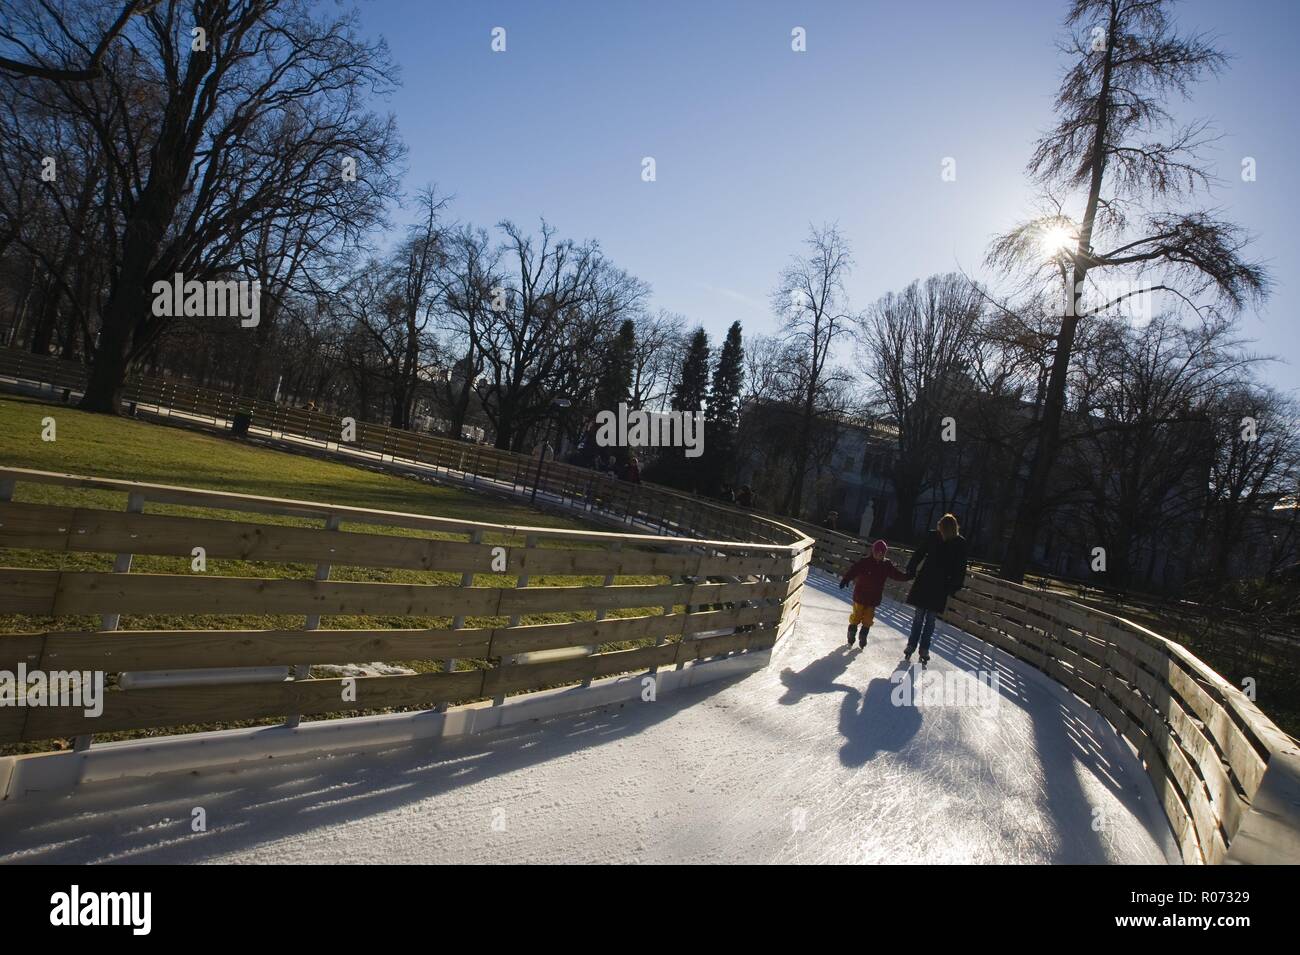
x=862, y=614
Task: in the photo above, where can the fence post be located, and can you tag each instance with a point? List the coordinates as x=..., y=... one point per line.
x=301, y=671
x=686, y=605
x=466, y=580
x=521, y=581
x=600, y=614
x=663, y=637
x=109, y=621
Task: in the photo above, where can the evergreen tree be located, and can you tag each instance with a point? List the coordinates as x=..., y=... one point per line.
x=689, y=394
x=614, y=386
x=722, y=417
x=692, y=385
x=615, y=383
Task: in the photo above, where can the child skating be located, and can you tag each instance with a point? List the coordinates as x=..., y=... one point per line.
x=868, y=576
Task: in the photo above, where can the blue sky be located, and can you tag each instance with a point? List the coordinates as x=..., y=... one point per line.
x=753, y=142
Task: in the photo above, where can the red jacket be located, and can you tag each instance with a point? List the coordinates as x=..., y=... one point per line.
x=869, y=576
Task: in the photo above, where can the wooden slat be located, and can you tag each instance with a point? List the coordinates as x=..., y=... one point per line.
x=1177, y=763
x=689, y=650
x=533, y=676
x=185, y=649
x=18, y=648
x=86, y=592
x=181, y=649
x=707, y=620
x=28, y=591
x=1191, y=738
x=507, y=641
x=627, y=661
x=93, y=530
x=177, y=706
x=552, y=599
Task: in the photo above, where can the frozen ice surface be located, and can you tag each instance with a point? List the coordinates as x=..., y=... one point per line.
x=808, y=760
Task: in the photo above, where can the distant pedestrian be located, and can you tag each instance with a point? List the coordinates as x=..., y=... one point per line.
x=868, y=576
x=745, y=497
x=832, y=521
x=939, y=566
x=633, y=470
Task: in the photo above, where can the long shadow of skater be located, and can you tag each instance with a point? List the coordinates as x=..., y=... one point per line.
x=871, y=722
x=817, y=677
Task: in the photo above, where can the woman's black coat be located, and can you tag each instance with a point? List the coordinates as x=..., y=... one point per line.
x=942, y=573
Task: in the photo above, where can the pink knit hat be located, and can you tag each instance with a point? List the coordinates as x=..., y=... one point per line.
x=880, y=548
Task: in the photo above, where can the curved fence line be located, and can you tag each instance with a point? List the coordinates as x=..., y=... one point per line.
x=714, y=597
x=1227, y=777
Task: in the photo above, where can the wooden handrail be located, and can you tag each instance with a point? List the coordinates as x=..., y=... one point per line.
x=258, y=504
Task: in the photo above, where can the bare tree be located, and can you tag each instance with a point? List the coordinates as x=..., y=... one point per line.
x=765, y=359
x=916, y=349
x=1116, y=145
x=1142, y=439
x=659, y=339
x=211, y=119
x=561, y=301
x=57, y=226
x=391, y=303
x=469, y=286
x=812, y=302
x=50, y=22
x=1254, y=465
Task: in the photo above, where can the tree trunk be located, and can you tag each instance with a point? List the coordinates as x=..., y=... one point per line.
x=107, y=372
x=43, y=330
x=505, y=430
x=905, y=519
x=793, y=504
x=402, y=407
x=460, y=408
x=1020, y=547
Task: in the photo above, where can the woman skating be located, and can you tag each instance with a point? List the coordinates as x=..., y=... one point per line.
x=940, y=568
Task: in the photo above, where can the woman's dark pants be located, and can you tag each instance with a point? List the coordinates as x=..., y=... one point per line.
x=922, y=631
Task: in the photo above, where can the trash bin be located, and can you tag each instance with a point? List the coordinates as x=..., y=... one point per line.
x=239, y=424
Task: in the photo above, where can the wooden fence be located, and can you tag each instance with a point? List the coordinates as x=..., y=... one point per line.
x=717, y=597
x=1210, y=752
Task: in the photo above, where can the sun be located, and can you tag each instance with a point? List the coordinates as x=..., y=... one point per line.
x=1056, y=239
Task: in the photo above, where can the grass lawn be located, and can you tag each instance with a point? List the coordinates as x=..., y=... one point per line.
x=101, y=446
x=137, y=450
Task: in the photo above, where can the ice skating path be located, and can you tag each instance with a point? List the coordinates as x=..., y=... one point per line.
x=809, y=760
